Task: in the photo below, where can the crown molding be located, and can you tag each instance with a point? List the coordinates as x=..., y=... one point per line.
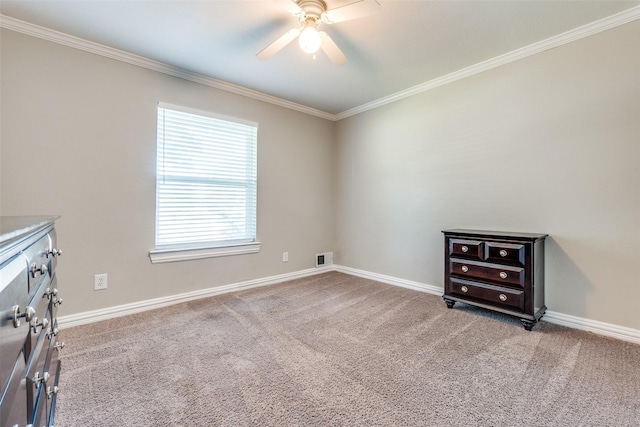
x=550, y=43
x=140, y=61
x=98, y=49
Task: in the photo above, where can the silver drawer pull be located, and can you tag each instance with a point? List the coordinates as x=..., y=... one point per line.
x=464, y=268
x=464, y=289
x=465, y=249
x=502, y=297
x=503, y=253
x=28, y=314
x=52, y=333
x=35, y=325
x=35, y=270
x=52, y=390
x=53, y=252
x=57, y=302
x=59, y=345
x=37, y=378
x=50, y=293
x=503, y=275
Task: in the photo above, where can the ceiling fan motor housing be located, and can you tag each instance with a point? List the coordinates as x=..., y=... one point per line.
x=313, y=8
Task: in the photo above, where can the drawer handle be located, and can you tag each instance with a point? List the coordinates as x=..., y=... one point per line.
x=37, y=378
x=35, y=325
x=52, y=390
x=502, y=297
x=52, y=333
x=503, y=253
x=34, y=270
x=464, y=289
x=53, y=252
x=503, y=275
x=59, y=345
x=57, y=301
x=28, y=314
x=465, y=249
x=50, y=293
x=464, y=268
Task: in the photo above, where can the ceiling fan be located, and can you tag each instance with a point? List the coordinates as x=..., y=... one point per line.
x=311, y=14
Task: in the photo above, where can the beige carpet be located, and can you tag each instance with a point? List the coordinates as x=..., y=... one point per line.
x=337, y=350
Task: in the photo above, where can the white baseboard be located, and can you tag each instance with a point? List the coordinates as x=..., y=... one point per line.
x=416, y=286
x=597, y=327
x=140, y=306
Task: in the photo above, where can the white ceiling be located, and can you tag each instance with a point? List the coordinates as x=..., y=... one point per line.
x=407, y=43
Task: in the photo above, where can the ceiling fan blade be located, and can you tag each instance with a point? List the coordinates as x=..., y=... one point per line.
x=277, y=45
x=290, y=6
x=354, y=10
x=331, y=49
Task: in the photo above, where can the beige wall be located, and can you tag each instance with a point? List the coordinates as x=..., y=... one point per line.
x=79, y=140
x=550, y=144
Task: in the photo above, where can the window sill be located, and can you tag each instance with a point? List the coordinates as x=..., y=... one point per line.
x=159, y=256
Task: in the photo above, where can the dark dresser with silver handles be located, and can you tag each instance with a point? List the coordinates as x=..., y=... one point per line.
x=500, y=271
x=29, y=300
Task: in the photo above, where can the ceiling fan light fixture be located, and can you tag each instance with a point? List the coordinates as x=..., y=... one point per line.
x=309, y=39
x=311, y=14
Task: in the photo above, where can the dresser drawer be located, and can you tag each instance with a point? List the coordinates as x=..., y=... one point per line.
x=485, y=293
x=53, y=253
x=52, y=392
x=38, y=261
x=14, y=327
x=38, y=375
x=41, y=320
x=53, y=366
x=13, y=403
x=507, y=253
x=501, y=274
x=38, y=416
x=472, y=249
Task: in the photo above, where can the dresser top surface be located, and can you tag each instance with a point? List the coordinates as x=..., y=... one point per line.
x=494, y=234
x=13, y=227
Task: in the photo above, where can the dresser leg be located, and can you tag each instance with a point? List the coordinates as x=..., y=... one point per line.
x=528, y=324
x=449, y=303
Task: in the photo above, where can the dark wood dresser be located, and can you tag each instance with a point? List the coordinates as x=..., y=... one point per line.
x=496, y=270
x=29, y=300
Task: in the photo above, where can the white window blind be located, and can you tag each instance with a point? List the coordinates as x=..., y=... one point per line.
x=206, y=180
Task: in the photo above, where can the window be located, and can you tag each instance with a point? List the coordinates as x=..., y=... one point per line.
x=206, y=185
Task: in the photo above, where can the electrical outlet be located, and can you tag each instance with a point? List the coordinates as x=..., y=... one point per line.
x=100, y=282
x=285, y=256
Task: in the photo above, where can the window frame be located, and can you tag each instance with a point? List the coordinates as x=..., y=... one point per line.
x=197, y=249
